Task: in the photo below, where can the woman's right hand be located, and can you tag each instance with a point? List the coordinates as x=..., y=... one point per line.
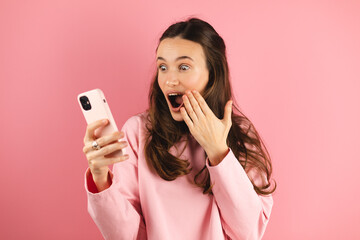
x=98, y=163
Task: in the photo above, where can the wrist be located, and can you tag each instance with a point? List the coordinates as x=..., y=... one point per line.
x=216, y=156
x=102, y=182
x=98, y=178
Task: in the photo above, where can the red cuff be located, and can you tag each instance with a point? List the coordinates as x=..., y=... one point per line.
x=91, y=186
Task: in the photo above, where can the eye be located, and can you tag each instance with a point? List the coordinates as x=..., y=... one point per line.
x=186, y=67
x=162, y=67
x=182, y=67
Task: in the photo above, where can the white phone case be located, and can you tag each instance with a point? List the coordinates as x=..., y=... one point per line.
x=98, y=108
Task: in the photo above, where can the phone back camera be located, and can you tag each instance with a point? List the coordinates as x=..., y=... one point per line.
x=85, y=103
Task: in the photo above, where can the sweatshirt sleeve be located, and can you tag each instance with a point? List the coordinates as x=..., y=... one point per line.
x=116, y=210
x=244, y=213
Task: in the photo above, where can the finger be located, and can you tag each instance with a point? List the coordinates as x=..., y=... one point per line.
x=186, y=118
x=89, y=135
x=113, y=160
x=202, y=103
x=107, y=150
x=227, y=112
x=189, y=109
x=195, y=105
x=99, y=163
x=103, y=141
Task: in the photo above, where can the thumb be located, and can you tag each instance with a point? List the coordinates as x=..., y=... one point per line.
x=227, y=112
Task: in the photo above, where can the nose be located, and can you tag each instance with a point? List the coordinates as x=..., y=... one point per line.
x=171, y=83
x=172, y=80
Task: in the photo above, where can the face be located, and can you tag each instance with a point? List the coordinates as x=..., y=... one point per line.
x=181, y=66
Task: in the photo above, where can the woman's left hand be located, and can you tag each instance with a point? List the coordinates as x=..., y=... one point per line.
x=209, y=131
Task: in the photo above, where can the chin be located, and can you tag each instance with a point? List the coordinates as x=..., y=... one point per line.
x=176, y=116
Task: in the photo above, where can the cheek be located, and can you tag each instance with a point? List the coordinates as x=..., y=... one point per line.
x=161, y=83
x=196, y=82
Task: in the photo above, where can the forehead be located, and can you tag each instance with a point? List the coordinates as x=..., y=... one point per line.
x=171, y=48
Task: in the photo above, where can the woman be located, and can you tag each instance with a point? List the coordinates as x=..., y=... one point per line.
x=194, y=169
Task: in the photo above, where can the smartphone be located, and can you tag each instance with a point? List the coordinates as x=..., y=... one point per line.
x=94, y=106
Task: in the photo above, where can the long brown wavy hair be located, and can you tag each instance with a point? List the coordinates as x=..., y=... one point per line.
x=163, y=131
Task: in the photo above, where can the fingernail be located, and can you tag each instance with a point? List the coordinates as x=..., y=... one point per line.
x=104, y=121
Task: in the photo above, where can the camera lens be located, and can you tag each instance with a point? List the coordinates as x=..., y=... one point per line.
x=85, y=103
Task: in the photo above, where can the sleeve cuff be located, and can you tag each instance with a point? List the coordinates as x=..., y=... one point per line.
x=207, y=162
x=90, y=185
x=227, y=171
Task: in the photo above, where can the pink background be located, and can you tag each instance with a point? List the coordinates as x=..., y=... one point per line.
x=295, y=69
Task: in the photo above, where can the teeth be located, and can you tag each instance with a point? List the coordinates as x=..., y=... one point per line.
x=174, y=99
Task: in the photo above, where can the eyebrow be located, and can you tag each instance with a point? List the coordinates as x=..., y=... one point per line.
x=177, y=59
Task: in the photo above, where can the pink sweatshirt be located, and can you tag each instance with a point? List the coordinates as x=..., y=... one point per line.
x=141, y=205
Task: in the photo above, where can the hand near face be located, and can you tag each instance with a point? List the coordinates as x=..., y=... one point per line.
x=209, y=131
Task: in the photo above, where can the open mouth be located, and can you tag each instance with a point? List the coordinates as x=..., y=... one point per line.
x=175, y=99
